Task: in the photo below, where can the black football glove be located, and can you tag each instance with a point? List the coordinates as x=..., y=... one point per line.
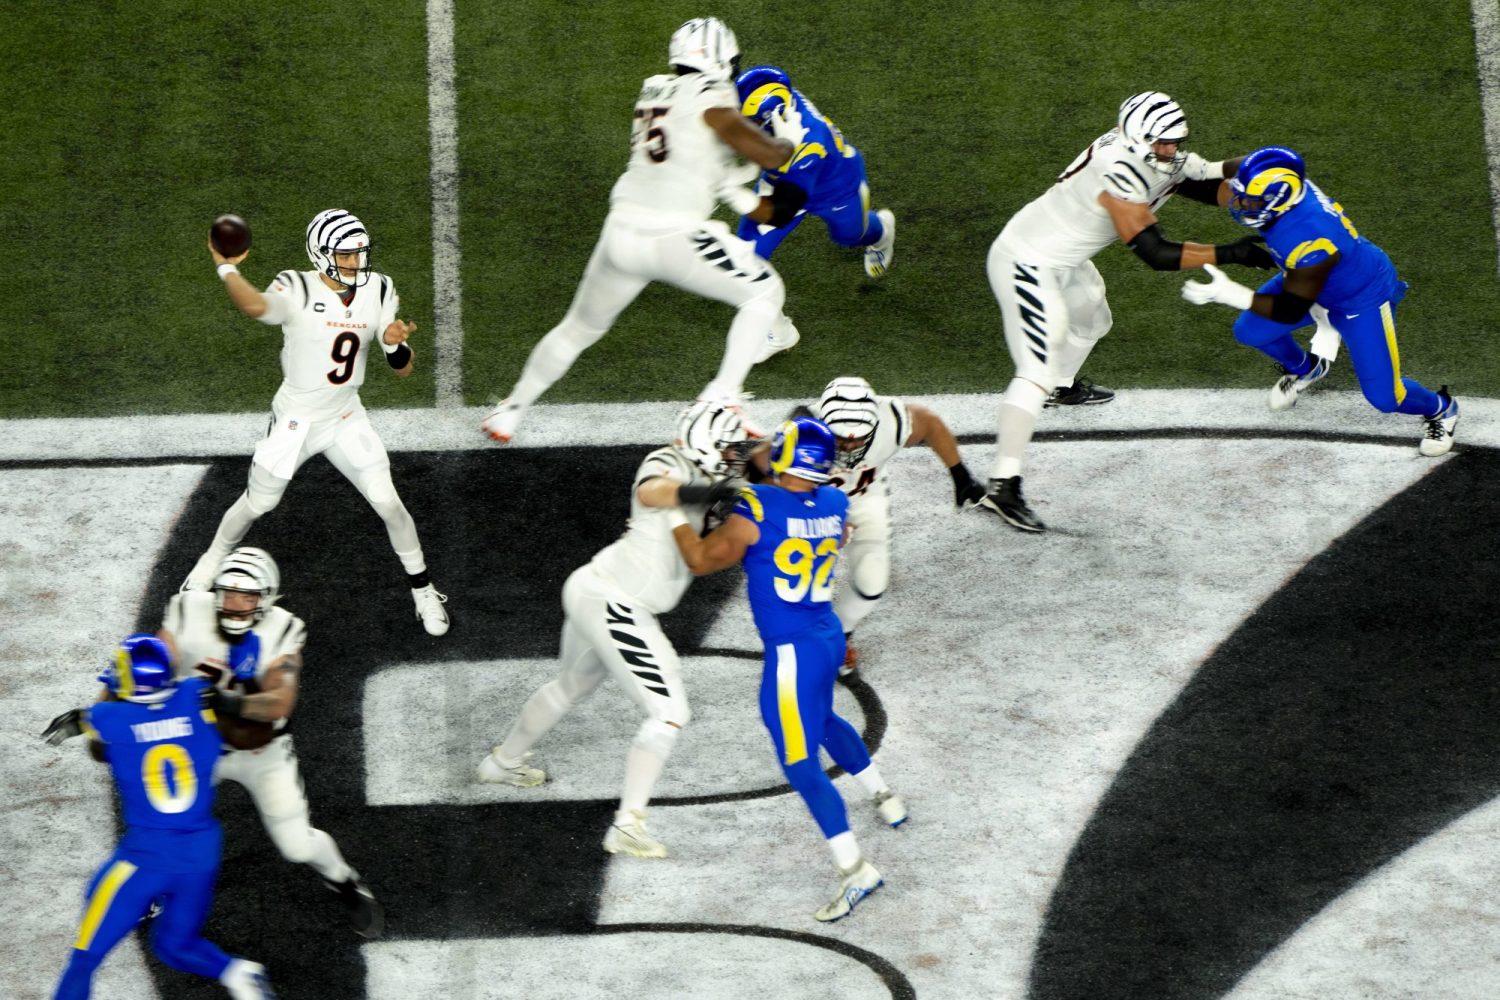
x=64, y=727
x=223, y=702
x=710, y=494
x=1247, y=252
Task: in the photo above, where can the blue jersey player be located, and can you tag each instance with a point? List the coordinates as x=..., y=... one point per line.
x=825, y=177
x=1324, y=261
x=161, y=745
x=788, y=534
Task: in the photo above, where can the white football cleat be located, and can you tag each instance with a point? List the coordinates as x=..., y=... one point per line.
x=630, y=837
x=857, y=883
x=891, y=808
x=495, y=771
x=1284, y=393
x=501, y=423
x=246, y=980
x=878, y=255
x=783, y=337
x=1437, y=431
x=430, y=610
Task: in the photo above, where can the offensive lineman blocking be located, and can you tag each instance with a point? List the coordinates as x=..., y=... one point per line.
x=687, y=129
x=610, y=607
x=870, y=430
x=1050, y=293
x=327, y=325
x=249, y=650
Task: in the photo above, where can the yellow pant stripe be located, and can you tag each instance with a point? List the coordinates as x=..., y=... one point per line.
x=99, y=902
x=1389, y=322
x=792, y=736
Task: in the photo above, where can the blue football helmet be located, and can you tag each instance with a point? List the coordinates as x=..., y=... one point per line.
x=141, y=670
x=1270, y=180
x=764, y=91
x=804, y=447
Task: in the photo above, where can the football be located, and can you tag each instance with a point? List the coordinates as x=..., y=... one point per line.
x=230, y=235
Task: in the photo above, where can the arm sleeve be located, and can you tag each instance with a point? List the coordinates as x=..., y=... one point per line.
x=1205, y=191
x=284, y=295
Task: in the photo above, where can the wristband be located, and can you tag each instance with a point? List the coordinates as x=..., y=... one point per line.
x=225, y=270
x=398, y=358
x=676, y=518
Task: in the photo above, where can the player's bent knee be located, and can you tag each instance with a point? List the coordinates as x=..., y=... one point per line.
x=657, y=736
x=1385, y=402
x=264, y=491
x=872, y=576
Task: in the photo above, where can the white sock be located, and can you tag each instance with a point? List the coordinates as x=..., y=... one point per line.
x=870, y=780
x=642, y=768
x=845, y=850
x=1018, y=412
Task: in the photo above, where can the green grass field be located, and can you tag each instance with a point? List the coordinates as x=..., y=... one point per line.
x=131, y=126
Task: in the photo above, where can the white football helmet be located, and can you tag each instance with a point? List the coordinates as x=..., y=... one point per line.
x=1153, y=117
x=707, y=45
x=849, y=409
x=337, y=231
x=252, y=571
x=708, y=429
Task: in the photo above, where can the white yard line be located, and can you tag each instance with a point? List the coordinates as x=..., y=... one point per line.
x=1487, y=52
x=185, y=435
x=447, y=288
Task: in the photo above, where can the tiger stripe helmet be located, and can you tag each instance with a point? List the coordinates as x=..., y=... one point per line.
x=1151, y=117
x=1269, y=182
x=336, y=231
x=140, y=670
x=849, y=409
x=712, y=435
x=707, y=45
x=252, y=571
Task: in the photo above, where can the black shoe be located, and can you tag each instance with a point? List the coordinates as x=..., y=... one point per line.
x=1080, y=393
x=366, y=915
x=1004, y=498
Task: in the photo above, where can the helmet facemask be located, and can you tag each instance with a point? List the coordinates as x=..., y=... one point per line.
x=1151, y=118
x=713, y=437
x=705, y=44
x=245, y=571
x=337, y=232
x=849, y=409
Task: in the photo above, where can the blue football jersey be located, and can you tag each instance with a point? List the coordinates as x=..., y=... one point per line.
x=790, y=567
x=1315, y=229
x=162, y=758
x=824, y=166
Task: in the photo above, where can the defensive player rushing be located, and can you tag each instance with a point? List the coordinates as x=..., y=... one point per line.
x=328, y=317
x=159, y=740
x=788, y=533
x=870, y=430
x=1324, y=261
x=1051, y=295
x=687, y=130
x=610, y=607
x=825, y=177
x=250, y=651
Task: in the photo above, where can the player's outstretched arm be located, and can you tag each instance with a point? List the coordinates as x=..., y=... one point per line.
x=928, y=428
x=245, y=296
x=1138, y=229
x=719, y=549
x=747, y=140
x=398, y=353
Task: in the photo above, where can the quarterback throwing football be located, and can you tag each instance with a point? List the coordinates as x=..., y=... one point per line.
x=329, y=316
